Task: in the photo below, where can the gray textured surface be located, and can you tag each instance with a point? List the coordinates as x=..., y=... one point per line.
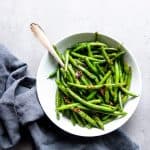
x=128, y=21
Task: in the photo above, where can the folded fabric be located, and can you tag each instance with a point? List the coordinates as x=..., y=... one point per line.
x=20, y=108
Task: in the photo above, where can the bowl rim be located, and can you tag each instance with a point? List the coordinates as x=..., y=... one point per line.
x=138, y=71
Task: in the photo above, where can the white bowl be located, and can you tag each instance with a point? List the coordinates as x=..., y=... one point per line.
x=46, y=88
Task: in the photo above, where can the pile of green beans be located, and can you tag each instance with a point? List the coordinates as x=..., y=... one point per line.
x=94, y=84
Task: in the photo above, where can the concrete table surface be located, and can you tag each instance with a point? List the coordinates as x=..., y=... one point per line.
x=128, y=21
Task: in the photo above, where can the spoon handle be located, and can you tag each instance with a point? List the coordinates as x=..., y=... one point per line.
x=40, y=35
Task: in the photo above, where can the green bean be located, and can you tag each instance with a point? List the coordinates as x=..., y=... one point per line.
x=128, y=92
x=80, y=46
x=129, y=78
x=105, y=77
x=116, y=81
x=61, y=87
x=128, y=81
x=96, y=52
x=90, y=58
x=93, y=87
x=84, y=121
x=62, y=77
x=73, y=74
x=61, y=98
x=99, y=44
x=74, y=105
x=62, y=102
x=107, y=105
x=101, y=98
x=89, y=51
x=63, y=57
x=111, y=49
x=116, y=72
x=109, y=81
x=109, y=120
x=73, y=62
x=89, y=74
x=87, y=118
x=88, y=125
x=107, y=96
x=89, y=109
x=53, y=74
x=112, y=55
x=69, y=76
x=120, y=101
x=84, y=108
x=81, y=107
x=62, y=73
x=105, y=55
x=98, y=56
x=63, y=81
x=84, y=81
x=99, y=122
x=91, y=66
x=124, y=99
x=125, y=77
x=88, y=80
x=96, y=101
x=118, y=55
x=105, y=117
x=73, y=120
x=76, y=117
x=120, y=72
x=58, y=103
x=67, y=113
x=66, y=59
x=79, y=62
x=126, y=68
x=82, y=101
x=91, y=95
x=58, y=74
x=68, y=106
x=117, y=113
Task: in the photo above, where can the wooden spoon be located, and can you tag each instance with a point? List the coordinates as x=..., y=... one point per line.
x=40, y=35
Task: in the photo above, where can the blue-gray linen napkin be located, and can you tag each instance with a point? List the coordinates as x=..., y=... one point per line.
x=20, y=109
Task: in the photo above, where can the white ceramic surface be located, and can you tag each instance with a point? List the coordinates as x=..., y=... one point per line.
x=46, y=88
